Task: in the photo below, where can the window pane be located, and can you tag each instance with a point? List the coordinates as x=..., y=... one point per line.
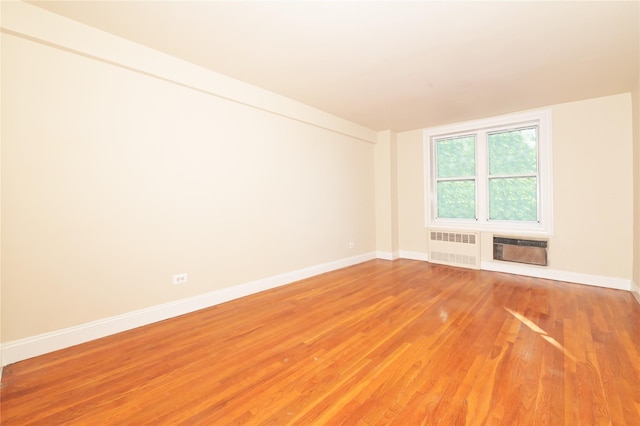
x=513, y=199
x=456, y=157
x=513, y=152
x=457, y=199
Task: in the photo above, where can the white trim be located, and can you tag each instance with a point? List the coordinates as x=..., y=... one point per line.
x=551, y=274
x=387, y=255
x=635, y=291
x=413, y=255
x=29, y=347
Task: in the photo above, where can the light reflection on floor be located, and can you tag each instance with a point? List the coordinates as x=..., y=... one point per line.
x=540, y=331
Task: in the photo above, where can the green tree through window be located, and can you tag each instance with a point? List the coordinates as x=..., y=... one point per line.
x=513, y=180
x=456, y=177
x=492, y=174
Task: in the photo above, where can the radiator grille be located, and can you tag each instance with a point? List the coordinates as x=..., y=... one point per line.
x=453, y=237
x=454, y=248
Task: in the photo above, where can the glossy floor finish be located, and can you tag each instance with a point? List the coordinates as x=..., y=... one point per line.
x=403, y=342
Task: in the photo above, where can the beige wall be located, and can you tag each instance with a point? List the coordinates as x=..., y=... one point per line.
x=593, y=187
x=412, y=234
x=114, y=180
x=636, y=180
x=386, y=196
x=592, y=171
x=1, y=363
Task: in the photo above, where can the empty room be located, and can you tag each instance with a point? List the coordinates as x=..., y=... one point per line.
x=320, y=212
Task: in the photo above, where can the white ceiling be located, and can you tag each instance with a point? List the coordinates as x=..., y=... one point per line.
x=397, y=65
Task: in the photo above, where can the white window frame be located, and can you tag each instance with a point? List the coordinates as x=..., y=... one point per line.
x=539, y=118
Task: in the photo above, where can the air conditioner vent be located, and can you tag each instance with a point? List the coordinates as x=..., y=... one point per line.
x=520, y=250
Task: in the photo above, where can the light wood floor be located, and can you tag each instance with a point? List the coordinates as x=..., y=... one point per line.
x=401, y=342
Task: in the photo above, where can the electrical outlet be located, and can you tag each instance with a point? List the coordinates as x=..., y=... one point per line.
x=180, y=279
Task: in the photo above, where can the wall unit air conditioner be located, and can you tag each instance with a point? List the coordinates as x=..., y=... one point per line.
x=513, y=249
x=454, y=248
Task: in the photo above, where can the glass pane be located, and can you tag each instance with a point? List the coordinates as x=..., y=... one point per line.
x=513, y=152
x=457, y=199
x=513, y=199
x=456, y=157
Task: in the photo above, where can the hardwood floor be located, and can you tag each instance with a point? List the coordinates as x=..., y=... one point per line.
x=401, y=342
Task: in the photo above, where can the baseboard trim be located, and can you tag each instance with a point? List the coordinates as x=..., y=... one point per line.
x=387, y=255
x=635, y=290
x=18, y=350
x=413, y=255
x=551, y=274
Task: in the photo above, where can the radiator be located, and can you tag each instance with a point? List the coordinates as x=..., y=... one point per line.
x=520, y=250
x=454, y=248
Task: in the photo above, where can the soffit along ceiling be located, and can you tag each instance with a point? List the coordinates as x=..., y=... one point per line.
x=397, y=65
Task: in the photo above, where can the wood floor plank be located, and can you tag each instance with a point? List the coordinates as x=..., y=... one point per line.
x=402, y=342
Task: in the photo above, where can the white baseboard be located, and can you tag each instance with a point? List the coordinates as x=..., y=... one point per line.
x=413, y=255
x=635, y=290
x=551, y=274
x=30, y=347
x=387, y=255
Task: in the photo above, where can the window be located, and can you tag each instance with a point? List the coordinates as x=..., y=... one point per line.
x=492, y=174
x=456, y=177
